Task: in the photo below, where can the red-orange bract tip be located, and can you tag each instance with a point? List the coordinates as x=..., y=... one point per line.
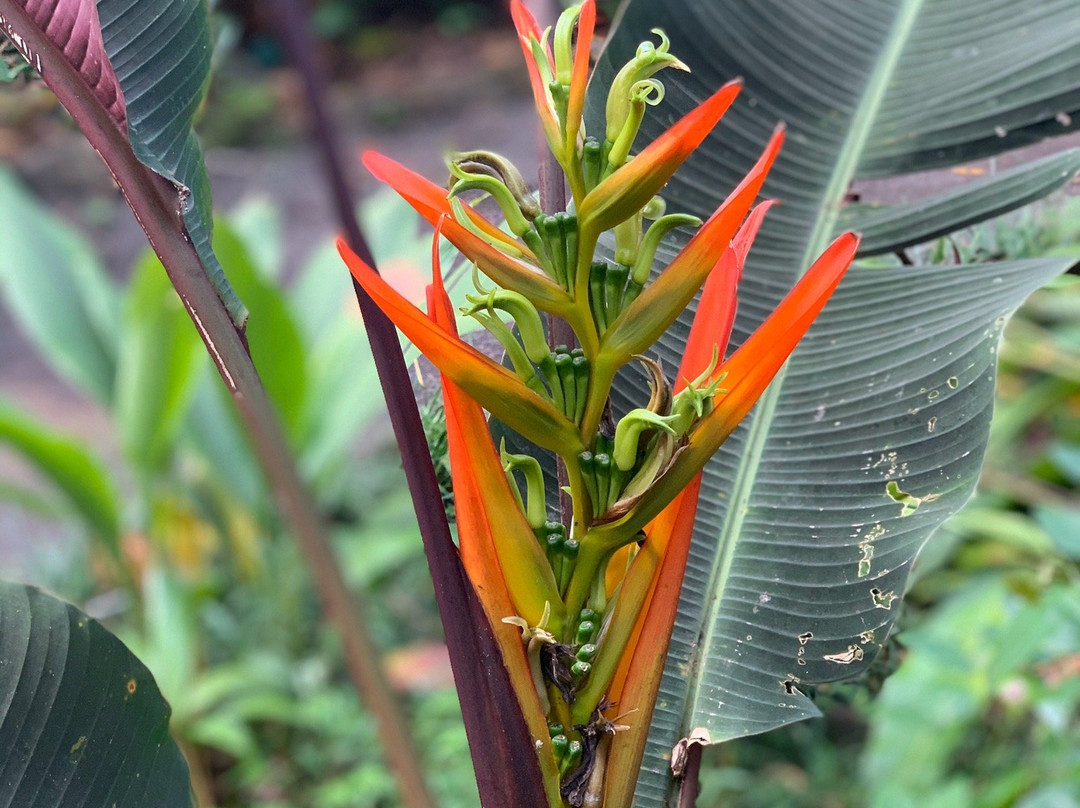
x=524, y=21
x=715, y=315
x=576, y=103
x=427, y=198
x=635, y=183
x=498, y=389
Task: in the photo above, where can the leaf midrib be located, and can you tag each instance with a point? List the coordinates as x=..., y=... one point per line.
x=758, y=430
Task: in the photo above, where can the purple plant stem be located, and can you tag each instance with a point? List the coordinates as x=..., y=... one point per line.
x=505, y=762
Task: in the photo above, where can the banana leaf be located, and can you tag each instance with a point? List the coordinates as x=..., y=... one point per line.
x=81, y=720
x=813, y=512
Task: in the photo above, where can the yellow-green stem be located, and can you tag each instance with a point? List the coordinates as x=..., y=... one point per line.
x=587, y=239
x=580, y=321
x=602, y=374
x=574, y=176
x=579, y=497
x=589, y=562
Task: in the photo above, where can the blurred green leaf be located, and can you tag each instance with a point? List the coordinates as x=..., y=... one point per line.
x=1058, y=796
x=1062, y=523
x=158, y=368
x=274, y=339
x=30, y=499
x=71, y=467
x=258, y=223
x=57, y=291
x=342, y=376
x=975, y=647
x=322, y=295
x=213, y=432
x=1000, y=525
x=1066, y=457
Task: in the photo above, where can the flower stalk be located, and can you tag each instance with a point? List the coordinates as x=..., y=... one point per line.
x=582, y=607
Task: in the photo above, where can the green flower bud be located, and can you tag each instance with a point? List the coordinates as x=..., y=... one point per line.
x=656, y=460
x=629, y=430
x=568, y=227
x=464, y=180
x=651, y=242
x=597, y=281
x=614, y=288
x=648, y=92
x=602, y=465
x=571, y=760
x=525, y=316
x=581, y=385
x=496, y=166
x=522, y=365
x=563, y=48
x=628, y=240
x=587, y=466
x=560, y=744
x=586, y=653
x=457, y=207
x=536, y=510
x=553, y=549
x=586, y=630
x=649, y=60
x=592, y=162
x=654, y=208
x=564, y=366
x=580, y=670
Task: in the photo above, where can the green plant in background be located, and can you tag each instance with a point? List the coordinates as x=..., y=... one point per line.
x=868, y=414
x=192, y=560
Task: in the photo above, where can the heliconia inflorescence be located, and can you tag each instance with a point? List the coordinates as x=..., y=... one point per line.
x=582, y=606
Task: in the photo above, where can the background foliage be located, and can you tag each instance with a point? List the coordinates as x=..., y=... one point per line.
x=174, y=543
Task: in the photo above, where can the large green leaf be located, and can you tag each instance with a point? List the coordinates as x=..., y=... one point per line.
x=273, y=336
x=885, y=228
x=161, y=50
x=144, y=64
x=81, y=720
x=58, y=292
x=812, y=514
x=71, y=467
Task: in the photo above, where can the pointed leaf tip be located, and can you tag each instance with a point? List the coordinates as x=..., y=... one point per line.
x=523, y=19
x=428, y=199
x=499, y=390
x=715, y=315
x=627, y=190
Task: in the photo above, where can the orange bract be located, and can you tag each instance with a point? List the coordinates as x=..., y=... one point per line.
x=594, y=595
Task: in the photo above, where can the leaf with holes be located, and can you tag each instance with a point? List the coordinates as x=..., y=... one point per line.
x=81, y=720
x=813, y=511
